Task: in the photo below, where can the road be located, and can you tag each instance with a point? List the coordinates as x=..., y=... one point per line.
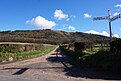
x=51, y=67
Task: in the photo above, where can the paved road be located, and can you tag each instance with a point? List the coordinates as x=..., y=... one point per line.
x=51, y=67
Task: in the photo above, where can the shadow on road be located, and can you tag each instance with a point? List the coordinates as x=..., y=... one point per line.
x=75, y=70
x=21, y=71
x=71, y=69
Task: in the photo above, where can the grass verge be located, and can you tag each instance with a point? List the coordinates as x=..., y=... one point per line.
x=25, y=55
x=100, y=60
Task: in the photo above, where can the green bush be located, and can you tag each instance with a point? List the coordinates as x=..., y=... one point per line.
x=79, y=47
x=42, y=49
x=102, y=59
x=9, y=48
x=115, y=46
x=15, y=48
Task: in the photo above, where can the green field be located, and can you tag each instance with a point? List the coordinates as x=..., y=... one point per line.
x=13, y=56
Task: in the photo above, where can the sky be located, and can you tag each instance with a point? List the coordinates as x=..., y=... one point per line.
x=65, y=15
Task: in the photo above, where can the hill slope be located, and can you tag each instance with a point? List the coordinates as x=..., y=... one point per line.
x=48, y=36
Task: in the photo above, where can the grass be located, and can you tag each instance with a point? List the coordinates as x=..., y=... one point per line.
x=25, y=55
x=97, y=58
x=96, y=48
x=104, y=60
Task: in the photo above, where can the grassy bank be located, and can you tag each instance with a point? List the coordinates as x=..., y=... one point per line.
x=97, y=59
x=24, y=55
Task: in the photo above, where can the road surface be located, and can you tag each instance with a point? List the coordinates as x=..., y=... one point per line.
x=51, y=67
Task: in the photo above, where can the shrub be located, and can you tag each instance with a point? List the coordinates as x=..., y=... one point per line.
x=9, y=48
x=15, y=48
x=78, y=47
x=115, y=46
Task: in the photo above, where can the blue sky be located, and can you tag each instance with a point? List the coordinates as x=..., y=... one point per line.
x=66, y=15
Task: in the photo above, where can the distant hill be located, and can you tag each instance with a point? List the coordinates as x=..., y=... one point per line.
x=48, y=36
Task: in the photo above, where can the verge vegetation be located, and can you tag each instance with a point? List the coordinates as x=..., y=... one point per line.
x=13, y=52
x=106, y=57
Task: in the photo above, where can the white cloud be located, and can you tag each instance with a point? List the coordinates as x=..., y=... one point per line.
x=118, y=5
x=41, y=22
x=92, y=32
x=60, y=15
x=71, y=28
x=104, y=33
x=116, y=13
x=116, y=35
x=120, y=28
x=86, y=15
